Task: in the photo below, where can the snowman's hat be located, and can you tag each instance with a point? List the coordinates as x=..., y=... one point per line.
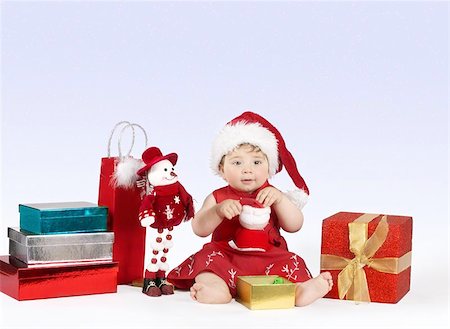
x=153, y=155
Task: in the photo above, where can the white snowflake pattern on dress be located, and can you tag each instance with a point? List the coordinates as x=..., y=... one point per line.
x=232, y=279
x=211, y=255
x=191, y=265
x=268, y=268
x=290, y=271
x=178, y=269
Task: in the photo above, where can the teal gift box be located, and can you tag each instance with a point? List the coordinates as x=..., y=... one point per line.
x=63, y=217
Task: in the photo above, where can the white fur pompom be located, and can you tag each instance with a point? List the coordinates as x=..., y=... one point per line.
x=125, y=174
x=153, y=267
x=298, y=198
x=157, y=245
x=168, y=244
x=163, y=266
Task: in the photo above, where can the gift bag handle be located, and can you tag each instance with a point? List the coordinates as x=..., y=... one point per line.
x=112, y=134
x=131, y=125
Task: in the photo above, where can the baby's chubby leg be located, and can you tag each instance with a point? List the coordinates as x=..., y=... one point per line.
x=308, y=291
x=209, y=288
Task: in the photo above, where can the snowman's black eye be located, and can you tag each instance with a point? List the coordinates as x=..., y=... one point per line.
x=173, y=169
x=165, y=169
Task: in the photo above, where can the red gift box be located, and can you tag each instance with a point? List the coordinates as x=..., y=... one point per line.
x=368, y=255
x=25, y=283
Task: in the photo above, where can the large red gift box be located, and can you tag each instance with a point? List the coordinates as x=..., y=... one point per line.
x=368, y=255
x=24, y=283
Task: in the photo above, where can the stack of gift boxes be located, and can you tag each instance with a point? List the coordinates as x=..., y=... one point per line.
x=61, y=249
x=64, y=249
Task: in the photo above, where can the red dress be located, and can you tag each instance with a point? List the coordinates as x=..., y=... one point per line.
x=229, y=263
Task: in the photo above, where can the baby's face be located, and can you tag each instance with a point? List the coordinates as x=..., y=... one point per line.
x=245, y=169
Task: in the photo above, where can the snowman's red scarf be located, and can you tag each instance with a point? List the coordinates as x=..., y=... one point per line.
x=167, y=189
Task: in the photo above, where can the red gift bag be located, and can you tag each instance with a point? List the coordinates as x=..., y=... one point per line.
x=123, y=204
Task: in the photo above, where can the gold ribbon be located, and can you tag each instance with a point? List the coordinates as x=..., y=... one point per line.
x=352, y=281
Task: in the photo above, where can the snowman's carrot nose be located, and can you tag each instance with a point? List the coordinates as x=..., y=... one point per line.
x=173, y=174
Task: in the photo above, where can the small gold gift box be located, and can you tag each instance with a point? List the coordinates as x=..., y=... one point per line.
x=260, y=292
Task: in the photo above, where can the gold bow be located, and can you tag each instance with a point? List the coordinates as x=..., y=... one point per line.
x=352, y=281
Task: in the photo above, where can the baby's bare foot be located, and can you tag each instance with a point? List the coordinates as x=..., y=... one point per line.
x=313, y=289
x=206, y=294
x=195, y=289
x=328, y=278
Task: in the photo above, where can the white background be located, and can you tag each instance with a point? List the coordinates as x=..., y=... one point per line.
x=358, y=90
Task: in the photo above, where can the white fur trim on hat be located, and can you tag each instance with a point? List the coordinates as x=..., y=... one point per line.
x=233, y=135
x=297, y=197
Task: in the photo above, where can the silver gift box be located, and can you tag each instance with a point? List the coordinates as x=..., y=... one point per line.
x=33, y=248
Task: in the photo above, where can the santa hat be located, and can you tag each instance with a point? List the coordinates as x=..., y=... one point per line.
x=251, y=128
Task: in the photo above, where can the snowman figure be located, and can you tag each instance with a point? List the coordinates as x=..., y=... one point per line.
x=252, y=234
x=165, y=205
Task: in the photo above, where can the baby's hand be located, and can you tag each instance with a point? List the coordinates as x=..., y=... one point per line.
x=269, y=196
x=229, y=208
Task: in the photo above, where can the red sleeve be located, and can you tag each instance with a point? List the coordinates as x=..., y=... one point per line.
x=188, y=203
x=146, y=208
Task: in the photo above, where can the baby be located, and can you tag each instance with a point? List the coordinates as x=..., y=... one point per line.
x=246, y=153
